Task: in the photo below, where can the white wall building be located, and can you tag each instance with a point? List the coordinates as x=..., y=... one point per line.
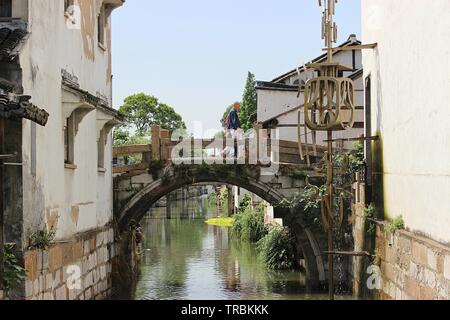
x=407, y=80
x=65, y=66
x=279, y=100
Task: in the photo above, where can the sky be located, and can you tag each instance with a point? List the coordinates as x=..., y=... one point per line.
x=195, y=55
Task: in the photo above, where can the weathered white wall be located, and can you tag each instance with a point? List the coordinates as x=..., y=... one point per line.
x=73, y=200
x=410, y=72
x=272, y=103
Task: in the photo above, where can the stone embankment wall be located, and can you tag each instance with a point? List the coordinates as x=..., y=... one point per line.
x=74, y=270
x=411, y=266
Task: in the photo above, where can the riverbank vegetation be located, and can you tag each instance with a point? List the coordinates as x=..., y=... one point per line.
x=277, y=249
x=221, y=222
x=275, y=244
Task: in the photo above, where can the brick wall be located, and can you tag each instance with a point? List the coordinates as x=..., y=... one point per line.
x=75, y=270
x=412, y=267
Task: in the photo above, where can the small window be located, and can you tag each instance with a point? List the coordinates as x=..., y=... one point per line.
x=68, y=6
x=5, y=8
x=101, y=149
x=69, y=140
x=101, y=26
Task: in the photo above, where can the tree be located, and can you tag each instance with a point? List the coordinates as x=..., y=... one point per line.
x=249, y=103
x=223, y=121
x=142, y=111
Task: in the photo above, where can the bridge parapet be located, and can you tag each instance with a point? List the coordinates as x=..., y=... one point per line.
x=258, y=149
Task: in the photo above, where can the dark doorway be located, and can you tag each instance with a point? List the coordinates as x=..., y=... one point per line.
x=5, y=8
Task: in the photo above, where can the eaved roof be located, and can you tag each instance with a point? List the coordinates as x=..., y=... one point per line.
x=13, y=33
x=352, y=40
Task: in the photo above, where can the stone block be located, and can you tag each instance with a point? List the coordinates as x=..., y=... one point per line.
x=412, y=288
x=432, y=258
x=92, y=261
x=420, y=253
x=391, y=255
x=41, y=283
x=57, y=279
x=45, y=261
x=389, y=272
x=85, y=266
x=447, y=267
x=72, y=294
x=100, y=239
x=48, y=281
x=77, y=250
x=88, y=294
x=39, y=260
x=29, y=288
x=86, y=248
x=404, y=244
x=61, y=293
x=48, y=296
x=88, y=280
x=426, y=293
x=67, y=254
x=92, y=244
x=430, y=278
x=30, y=259
x=103, y=272
x=36, y=287
x=55, y=258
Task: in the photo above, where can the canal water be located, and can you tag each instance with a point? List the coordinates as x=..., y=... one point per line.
x=186, y=259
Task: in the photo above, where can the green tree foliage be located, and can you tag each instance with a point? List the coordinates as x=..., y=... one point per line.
x=248, y=105
x=249, y=102
x=223, y=121
x=142, y=111
x=13, y=274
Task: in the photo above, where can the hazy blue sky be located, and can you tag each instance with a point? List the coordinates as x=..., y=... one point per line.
x=194, y=55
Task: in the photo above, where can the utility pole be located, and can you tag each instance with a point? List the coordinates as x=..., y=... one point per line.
x=325, y=98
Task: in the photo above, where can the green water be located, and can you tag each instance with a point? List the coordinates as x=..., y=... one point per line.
x=184, y=258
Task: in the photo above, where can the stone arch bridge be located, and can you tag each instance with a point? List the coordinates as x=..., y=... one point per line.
x=154, y=174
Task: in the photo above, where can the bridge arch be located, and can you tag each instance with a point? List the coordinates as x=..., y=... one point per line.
x=167, y=181
x=143, y=200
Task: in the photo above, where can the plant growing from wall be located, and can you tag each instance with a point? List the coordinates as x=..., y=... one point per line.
x=41, y=239
x=396, y=224
x=277, y=249
x=356, y=157
x=13, y=274
x=369, y=214
x=307, y=203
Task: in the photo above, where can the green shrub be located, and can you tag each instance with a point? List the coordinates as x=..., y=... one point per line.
x=14, y=274
x=246, y=203
x=396, y=224
x=277, y=249
x=41, y=239
x=249, y=225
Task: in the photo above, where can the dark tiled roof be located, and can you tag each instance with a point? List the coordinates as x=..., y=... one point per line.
x=14, y=106
x=12, y=33
x=351, y=41
x=264, y=85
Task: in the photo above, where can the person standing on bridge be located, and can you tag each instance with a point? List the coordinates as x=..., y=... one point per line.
x=233, y=126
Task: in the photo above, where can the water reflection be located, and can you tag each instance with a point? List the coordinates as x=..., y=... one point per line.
x=186, y=259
